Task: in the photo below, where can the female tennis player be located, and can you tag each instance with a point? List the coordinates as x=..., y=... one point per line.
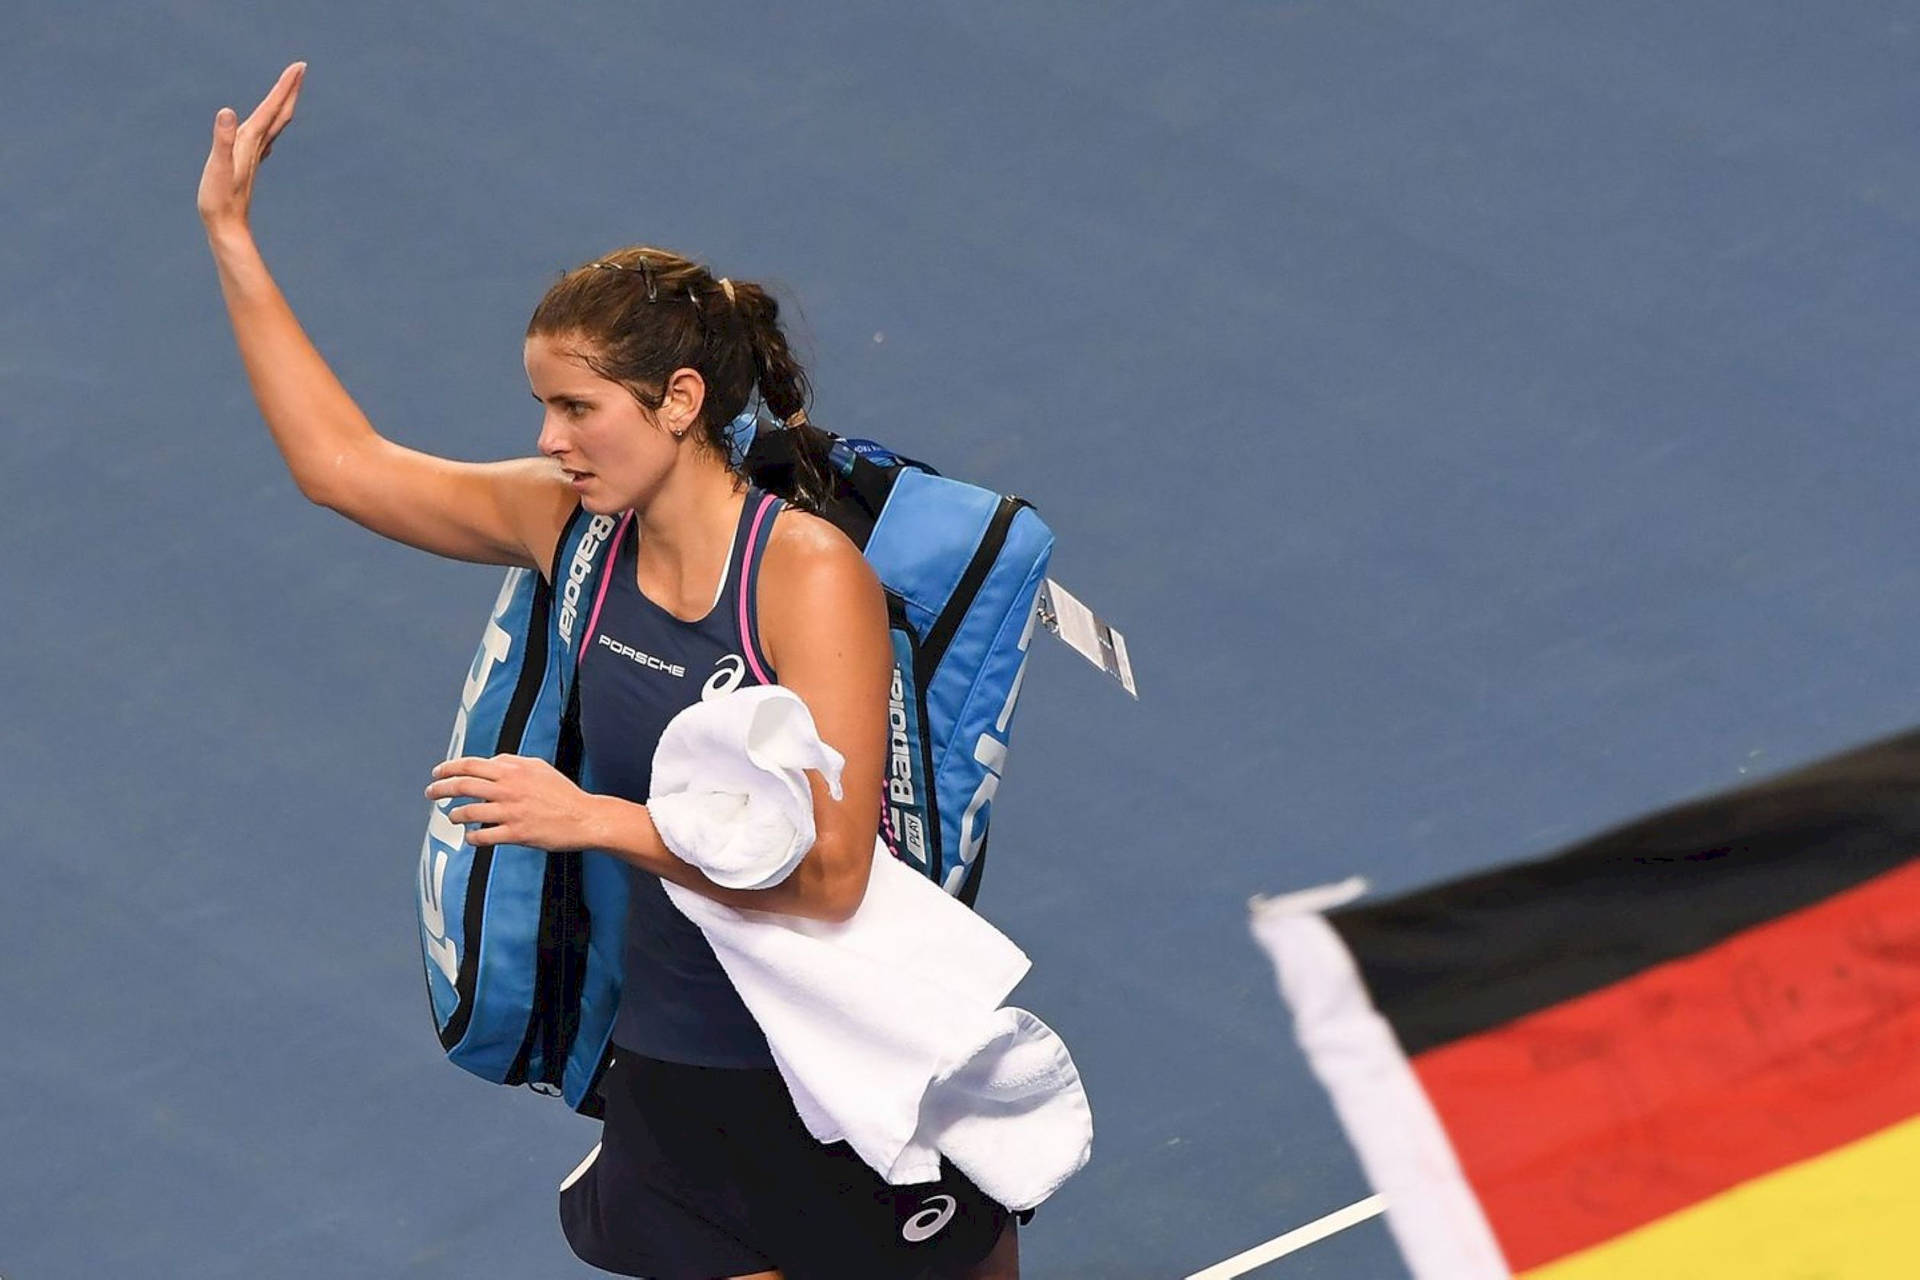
x=639, y=360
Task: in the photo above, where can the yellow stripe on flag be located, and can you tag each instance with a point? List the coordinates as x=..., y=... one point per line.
x=1852, y=1214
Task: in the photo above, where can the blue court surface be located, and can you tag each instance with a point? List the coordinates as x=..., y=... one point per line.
x=1486, y=420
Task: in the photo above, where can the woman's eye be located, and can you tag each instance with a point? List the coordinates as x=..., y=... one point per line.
x=576, y=408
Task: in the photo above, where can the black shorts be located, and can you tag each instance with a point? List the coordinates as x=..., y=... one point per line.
x=709, y=1171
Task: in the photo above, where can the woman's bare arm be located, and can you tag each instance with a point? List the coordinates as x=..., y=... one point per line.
x=496, y=513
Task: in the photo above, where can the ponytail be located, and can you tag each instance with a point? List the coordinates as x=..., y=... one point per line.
x=784, y=385
x=786, y=390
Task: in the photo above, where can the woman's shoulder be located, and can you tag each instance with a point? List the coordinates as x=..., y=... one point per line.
x=812, y=571
x=803, y=543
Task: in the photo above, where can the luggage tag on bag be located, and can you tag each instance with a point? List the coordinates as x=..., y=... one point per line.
x=1084, y=632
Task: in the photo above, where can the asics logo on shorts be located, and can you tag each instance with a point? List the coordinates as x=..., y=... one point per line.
x=926, y=1224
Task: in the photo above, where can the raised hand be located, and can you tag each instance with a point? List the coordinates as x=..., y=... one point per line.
x=226, y=184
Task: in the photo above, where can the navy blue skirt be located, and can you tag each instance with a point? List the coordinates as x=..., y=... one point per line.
x=709, y=1171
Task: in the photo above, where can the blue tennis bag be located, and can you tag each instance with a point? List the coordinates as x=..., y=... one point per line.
x=522, y=948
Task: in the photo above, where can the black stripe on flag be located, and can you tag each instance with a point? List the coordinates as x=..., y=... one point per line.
x=1473, y=954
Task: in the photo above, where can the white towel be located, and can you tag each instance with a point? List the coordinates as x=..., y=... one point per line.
x=888, y=1028
x=730, y=788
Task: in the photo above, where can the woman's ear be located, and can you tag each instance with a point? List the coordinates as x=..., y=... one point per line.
x=682, y=397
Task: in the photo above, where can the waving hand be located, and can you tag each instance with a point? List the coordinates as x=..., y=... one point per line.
x=226, y=184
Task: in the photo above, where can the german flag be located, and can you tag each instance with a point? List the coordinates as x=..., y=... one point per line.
x=1688, y=1048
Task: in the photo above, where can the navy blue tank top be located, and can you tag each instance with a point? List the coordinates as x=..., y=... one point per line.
x=640, y=667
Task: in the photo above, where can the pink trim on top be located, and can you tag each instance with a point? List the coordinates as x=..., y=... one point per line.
x=746, y=585
x=600, y=596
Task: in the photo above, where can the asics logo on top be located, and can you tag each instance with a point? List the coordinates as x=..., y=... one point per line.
x=926, y=1224
x=632, y=654
x=732, y=669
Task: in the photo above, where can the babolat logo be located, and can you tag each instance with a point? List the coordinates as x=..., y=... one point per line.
x=900, y=765
x=445, y=837
x=578, y=570
x=632, y=654
x=904, y=805
x=990, y=752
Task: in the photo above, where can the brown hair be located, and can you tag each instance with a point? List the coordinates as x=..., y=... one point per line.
x=643, y=312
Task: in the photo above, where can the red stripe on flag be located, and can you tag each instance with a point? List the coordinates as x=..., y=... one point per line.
x=1606, y=1112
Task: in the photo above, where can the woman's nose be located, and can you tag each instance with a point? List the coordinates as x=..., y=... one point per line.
x=552, y=441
